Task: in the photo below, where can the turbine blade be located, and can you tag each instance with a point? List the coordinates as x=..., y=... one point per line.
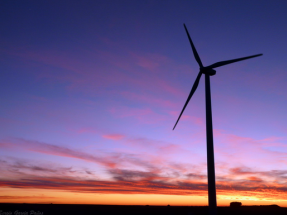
x=194, y=87
x=222, y=63
x=197, y=58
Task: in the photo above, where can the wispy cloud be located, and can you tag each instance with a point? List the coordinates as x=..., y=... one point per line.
x=143, y=115
x=87, y=130
x=93, y=186
x=249, y=151
x=51, y=149
x=150, y=61
x=132, y=175
x=15, y=168
x=106, y=160
x=131, y=182
x=196, y=120
x=272, y=175
x=148, y=99
x=113, y=136
x=27, y=197
x=135, y=173
x=99, y=68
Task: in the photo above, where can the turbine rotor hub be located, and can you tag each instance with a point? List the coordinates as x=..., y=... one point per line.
x=207, y=71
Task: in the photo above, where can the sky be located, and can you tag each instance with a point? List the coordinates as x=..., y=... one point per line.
x=90, y=92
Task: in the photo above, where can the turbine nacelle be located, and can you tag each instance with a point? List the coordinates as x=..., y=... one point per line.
x=208, y=71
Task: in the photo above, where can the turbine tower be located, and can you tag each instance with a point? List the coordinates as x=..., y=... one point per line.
x=208, y=71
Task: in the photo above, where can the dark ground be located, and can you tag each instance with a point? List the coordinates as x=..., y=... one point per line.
x=57, y=209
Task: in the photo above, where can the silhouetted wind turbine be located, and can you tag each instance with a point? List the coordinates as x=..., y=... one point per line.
x=208, y=71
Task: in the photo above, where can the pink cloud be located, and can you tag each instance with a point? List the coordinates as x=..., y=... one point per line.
x=87, y=130
x=169, y=178
x=144, y=142
x=150, y=61
x=100, y=68
x=137, y=112
x=146, y=63
x=143, y=115
x=106, y=160
x=148, y=99
x=113, y=136
x=156, y=163
x=138, y=182
x=166, y=87
x=50, y=149
x=14, y=168
x=273, y=82
x=196, y=120
x=81, y=73
x=236, y=140
x=170, y=148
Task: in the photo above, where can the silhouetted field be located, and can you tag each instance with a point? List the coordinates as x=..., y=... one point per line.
x=57, y=209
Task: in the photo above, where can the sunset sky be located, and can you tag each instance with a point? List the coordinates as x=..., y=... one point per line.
x=90, y=92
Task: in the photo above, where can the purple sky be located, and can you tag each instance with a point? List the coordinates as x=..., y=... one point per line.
x=90, y=90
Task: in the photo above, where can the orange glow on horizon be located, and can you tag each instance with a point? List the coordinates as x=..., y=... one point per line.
x=40, y=196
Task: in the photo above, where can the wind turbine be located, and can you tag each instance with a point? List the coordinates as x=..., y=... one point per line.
x=208, y=71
